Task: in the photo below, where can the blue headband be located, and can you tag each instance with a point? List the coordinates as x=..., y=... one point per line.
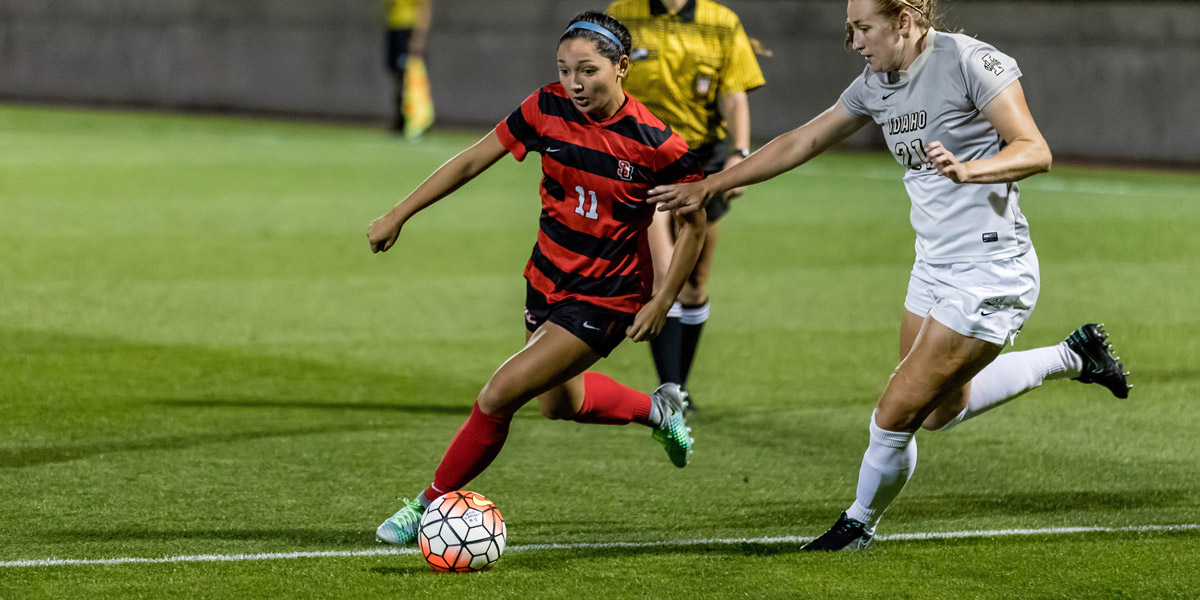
x=598, y=29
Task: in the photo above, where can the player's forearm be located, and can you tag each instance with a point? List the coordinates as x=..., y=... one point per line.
x=424, y=15
x=789, y=150
x=1018, y=160
x=689, y=241
x=416, y=44
x=735, y=108
x=452, y=175
x=780, y=155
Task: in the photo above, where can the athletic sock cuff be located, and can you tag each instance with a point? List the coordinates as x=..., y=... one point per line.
x=1068, y=365
x=693, y=314
x=956, y=420
x=430, y=494
x=891, y=439
x=675, y=312
x=865, y=516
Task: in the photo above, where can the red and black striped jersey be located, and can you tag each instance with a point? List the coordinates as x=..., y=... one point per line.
x=595, y=175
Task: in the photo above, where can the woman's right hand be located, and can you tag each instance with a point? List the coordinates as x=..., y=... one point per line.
x=683, y=198
x=382, y=233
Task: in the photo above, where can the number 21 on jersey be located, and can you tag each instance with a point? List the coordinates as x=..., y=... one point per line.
x=907, y=153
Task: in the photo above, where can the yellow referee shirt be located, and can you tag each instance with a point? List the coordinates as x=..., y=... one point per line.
x=683, y=62
x=402, y=14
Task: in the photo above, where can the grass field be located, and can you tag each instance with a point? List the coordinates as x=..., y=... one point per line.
x=200, y=356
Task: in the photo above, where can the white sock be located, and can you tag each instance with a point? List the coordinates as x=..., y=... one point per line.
x=886, y=467
x=694, y=315
x=1015, y=373
x=655, y=418
x=675, y=311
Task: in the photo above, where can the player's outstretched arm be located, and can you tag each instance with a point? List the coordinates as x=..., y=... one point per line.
x=688, y=242
x=780, y=155
x=469, y=163
x=1025, y=152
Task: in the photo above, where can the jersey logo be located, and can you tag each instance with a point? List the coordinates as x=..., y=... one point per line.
x=639, y=54
x=703, y=83
x=991, y=64
x=625, y=170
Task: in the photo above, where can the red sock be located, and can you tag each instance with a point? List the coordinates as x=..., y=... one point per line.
x=473, y=448
x=607, y=402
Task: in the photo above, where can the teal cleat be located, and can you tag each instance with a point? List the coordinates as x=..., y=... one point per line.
x=673, y=433
x=401, y=528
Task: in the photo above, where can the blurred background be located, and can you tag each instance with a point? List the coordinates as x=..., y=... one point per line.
x=1106, y=80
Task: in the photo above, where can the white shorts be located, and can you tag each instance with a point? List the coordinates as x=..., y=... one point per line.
x=984, y=300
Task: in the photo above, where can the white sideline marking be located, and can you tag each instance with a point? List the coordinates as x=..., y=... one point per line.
x=943, y=535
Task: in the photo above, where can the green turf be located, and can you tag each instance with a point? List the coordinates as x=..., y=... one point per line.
x=198, y=354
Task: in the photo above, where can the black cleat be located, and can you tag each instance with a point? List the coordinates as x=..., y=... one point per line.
x=1100, y=365
x=846, y=534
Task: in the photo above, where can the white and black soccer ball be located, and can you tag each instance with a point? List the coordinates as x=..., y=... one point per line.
x=462, y=532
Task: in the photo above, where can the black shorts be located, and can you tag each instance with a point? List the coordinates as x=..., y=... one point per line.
x=600, y=328
x=397, y=49
x=712, y=157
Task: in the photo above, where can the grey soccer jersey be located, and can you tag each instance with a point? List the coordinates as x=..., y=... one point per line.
x=939, y=98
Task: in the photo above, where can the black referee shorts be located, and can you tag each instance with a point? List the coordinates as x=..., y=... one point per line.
x=712, y=157
x=396, y=49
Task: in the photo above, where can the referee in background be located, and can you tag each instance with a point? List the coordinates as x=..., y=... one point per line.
x=692, y=65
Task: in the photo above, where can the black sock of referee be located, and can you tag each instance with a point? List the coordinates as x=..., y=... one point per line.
x=691, y=320
x=665, y=349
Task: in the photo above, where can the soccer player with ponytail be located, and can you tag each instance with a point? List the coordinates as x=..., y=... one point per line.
x=590, y=279
x=953, y=112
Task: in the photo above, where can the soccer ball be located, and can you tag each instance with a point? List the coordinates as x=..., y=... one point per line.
x=461, y=532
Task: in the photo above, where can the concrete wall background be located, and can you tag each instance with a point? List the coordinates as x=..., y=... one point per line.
x=1104, y=79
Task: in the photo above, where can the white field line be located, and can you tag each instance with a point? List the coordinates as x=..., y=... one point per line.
x=790, y=539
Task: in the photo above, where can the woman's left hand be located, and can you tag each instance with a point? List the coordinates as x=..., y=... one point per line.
x=946, y=163
x=648, y=322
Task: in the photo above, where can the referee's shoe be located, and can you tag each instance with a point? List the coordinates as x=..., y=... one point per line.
x=1100, y=364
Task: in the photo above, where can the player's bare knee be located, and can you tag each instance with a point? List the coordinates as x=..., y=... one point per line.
x=932, y=424
x=497, y=396
x=558, y=404
x=557, y=411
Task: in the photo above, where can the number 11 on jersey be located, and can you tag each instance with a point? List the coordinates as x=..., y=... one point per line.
x=591, y=212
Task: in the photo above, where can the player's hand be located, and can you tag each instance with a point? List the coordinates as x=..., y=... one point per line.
x=648, y=322
x=683, y=198
x=737, y=191
x=946, y=163
x=382, y=233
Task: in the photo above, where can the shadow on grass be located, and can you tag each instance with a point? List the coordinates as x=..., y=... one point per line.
x=418, y=569
x=419, y=409
x=301, y=537
x=28, y=457
x=1038, y=502
x=73, y=378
